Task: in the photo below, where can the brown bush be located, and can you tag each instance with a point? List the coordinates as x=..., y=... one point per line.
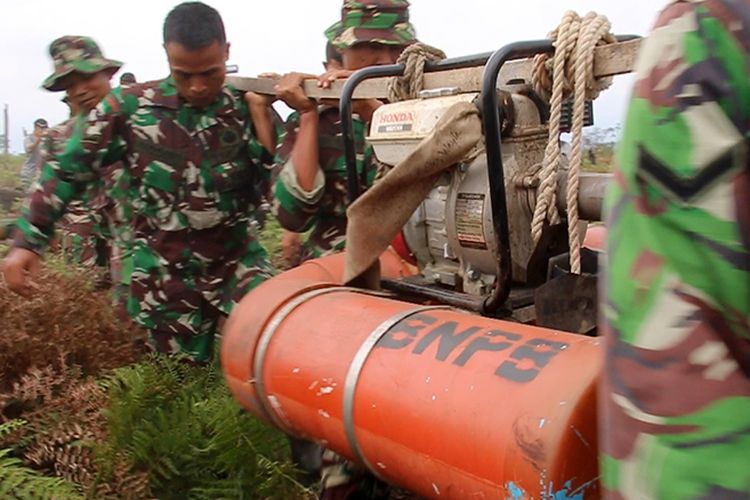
x=65, y=323
x=52, y=346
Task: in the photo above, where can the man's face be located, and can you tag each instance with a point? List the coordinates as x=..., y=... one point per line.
x=362, y=55
x=85, y=91
x=198, y=74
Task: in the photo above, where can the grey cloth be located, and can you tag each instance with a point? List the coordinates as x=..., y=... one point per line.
x=33, y=163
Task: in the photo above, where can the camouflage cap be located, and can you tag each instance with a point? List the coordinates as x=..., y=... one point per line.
x=76, y=53
x=374, y=21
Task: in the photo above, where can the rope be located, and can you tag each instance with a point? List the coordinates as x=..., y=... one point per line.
x=571, y=71
x=414, y=57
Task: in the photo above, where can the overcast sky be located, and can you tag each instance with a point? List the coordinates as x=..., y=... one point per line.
x=279, y=36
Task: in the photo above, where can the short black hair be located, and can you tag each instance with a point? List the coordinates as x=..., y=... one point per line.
x=194, y=25
x=127, y=78
x=332, y=54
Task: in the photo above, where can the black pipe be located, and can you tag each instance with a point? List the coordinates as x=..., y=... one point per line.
x=424, y=290
x=347, y=123
x=491, y=117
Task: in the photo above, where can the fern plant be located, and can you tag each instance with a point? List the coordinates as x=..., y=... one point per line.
x=179, y=423
x=21, y=483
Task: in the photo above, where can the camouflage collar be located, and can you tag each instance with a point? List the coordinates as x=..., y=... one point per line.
x=228, y=104
x=166, y=96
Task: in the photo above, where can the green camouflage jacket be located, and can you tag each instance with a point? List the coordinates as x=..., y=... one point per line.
x=195, y=178
x=322, y=211
x=676, y=299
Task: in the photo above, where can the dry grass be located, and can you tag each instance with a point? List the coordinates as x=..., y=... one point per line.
x=10, y=166
x=65, y=322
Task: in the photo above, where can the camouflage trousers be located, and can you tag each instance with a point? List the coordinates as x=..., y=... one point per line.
x=28, y=175
x=327, y=238
x=81, y=241
x=120, y=269
x=181, y=303
x=676, y=422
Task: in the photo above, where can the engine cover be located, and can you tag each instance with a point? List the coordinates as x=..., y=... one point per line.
x=452, y=233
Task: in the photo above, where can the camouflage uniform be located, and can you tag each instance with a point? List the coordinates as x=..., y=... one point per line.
x=84, y=227
x=119, y=216
x=81, y=238
x=676, y=393
x=195, y=177
x=323, y=209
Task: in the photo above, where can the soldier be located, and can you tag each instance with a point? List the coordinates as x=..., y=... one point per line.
x=676, y=393
x=84, y=74
x=127, y=79
x=311, y=188
x=311, y=191
x=32, y=145
x=290, y=241
x=197, y=155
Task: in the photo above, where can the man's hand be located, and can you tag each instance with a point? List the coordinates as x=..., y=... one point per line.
x=19, y=268
x=365, y=108
x=258, y=100
x=326, y=79
x=289, y=89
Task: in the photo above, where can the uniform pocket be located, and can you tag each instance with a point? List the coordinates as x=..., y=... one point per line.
x=159, y=192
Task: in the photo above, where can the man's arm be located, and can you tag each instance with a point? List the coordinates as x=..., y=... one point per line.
x=65, y=175
x=31, y=142
x=295, y=207
x=304, y=154
x=94, y=139
x=299, y=187
x=260, y=114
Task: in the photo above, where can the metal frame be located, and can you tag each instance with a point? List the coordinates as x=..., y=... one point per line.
x=491, y=115
x=491, y=118
x=347, y=122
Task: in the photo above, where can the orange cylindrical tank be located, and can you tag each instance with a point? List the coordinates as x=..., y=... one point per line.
x=443, y=403
x=331, y=268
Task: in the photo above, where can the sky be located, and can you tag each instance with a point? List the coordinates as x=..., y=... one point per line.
x=277, y=36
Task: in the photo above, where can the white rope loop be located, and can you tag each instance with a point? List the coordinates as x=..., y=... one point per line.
x=414, y=57
x=572, y=72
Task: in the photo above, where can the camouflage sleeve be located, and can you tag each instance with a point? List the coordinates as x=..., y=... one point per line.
x=683, y=157
x=676, y=298
x=264, y=160
x=295, y=208
x=95, y=141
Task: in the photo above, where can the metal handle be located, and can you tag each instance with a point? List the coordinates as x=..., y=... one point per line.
x=347, y=124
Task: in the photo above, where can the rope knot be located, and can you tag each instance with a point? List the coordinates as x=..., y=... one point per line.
x=569, y=71
x=414, y=57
